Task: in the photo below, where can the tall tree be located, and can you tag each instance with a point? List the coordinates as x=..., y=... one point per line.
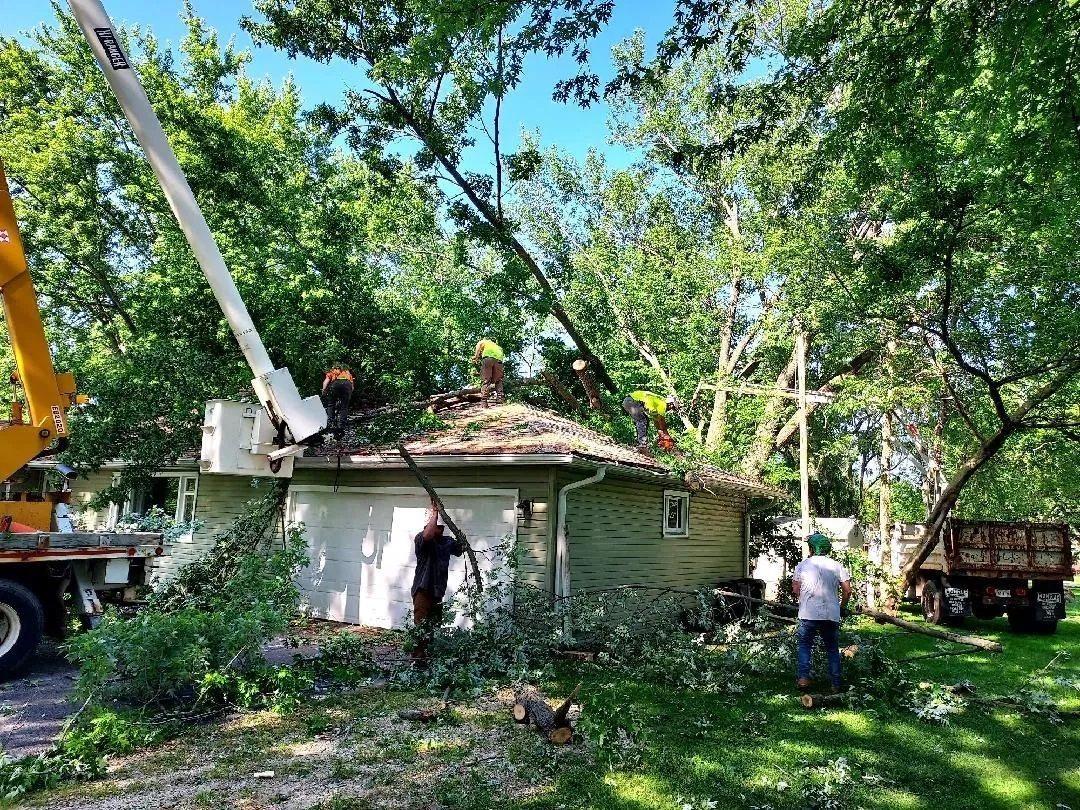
x=438, y=73
x=961, y=162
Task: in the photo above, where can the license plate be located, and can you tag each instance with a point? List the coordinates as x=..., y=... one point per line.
x=1049, y=598
x=1003, y=593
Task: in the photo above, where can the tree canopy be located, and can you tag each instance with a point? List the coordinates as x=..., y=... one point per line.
x=899, y=182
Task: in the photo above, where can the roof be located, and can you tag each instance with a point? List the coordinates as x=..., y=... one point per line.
x=523, y=433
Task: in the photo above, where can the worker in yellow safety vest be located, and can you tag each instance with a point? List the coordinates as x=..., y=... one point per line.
x=644, y=404
x=337, y=391
x=489, y=355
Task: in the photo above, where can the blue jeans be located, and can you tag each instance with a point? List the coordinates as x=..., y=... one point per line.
x=830, y=639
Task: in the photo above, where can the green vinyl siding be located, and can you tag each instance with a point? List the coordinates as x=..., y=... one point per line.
x=220, y=499
x=615, y=530
x=83, y=489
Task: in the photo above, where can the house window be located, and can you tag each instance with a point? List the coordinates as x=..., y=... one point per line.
x=676, y=513
x=174, y=493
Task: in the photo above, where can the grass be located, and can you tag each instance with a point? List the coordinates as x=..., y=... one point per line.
x=762, y=750
x=759, y=749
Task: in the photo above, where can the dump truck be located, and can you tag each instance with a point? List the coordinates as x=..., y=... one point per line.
x=987, y=569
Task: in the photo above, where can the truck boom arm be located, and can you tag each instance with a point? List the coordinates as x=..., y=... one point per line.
x=48, y=394
x=297, y=419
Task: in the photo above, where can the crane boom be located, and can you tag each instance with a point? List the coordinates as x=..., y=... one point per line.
x=48, y=394
x=296, y=419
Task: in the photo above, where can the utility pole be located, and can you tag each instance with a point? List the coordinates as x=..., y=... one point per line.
x=804, y=433
x=802, y=396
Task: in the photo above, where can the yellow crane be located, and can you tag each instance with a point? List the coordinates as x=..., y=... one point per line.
x=29, y=433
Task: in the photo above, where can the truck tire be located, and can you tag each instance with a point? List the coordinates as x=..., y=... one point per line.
x=22, y=622
x=933, y=608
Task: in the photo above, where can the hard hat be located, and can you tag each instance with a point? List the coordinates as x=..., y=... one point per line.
x=819, y=543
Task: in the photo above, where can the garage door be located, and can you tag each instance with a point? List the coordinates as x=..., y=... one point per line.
x=361, y=545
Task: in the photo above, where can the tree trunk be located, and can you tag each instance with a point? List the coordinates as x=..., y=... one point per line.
x=885, y=499
x=498, y=224
x=718, y=420
x=560, y=390
x=425, y=482
x=973, y=641
x=584, y=375
x=764, y=442
x=946, y=501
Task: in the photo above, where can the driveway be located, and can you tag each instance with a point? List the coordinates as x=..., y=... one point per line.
x=33, y=706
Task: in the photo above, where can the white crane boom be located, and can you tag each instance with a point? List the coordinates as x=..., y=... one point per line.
x=295, y=418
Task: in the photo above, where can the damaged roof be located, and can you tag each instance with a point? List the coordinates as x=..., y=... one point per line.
x=519, y=431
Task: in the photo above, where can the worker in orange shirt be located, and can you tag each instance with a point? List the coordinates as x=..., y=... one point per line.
x=337, y=391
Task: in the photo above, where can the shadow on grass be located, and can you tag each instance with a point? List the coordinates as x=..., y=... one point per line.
x=762, y=749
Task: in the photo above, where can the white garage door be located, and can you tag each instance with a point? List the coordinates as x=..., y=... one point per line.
x=361, y=545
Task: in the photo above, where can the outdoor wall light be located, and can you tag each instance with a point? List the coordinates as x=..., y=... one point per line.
x=525, y=508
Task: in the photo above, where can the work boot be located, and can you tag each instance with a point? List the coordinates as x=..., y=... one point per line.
x=803, y=684
x=838, y=690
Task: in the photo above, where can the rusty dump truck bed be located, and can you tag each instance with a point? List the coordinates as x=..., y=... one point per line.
x=985, y=548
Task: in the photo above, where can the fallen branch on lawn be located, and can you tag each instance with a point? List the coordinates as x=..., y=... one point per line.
x=940, y=654
x=426, y=715
x=972, y=641
x=820, y=701
x=425, y=482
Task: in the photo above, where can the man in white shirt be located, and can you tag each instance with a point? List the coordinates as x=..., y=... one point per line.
x=816, y=582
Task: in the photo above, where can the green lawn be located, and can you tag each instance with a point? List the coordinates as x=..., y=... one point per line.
x=764, y=750
x=758, y=749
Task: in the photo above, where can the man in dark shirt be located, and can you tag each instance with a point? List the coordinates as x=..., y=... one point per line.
x=433, y=552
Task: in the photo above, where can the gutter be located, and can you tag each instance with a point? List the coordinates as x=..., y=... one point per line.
x=562, y=545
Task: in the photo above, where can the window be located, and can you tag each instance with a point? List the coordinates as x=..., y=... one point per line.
x=676, y=513
x=173, y=493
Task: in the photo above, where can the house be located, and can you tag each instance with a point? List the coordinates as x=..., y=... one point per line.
x=845, y=533
x=580, y=510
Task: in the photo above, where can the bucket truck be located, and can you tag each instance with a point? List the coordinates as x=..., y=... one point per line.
x=38, y=566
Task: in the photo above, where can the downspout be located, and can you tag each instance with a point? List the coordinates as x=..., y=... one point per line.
x=562, y=545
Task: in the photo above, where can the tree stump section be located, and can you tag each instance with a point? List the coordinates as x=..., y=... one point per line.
x=820, y=701
x=585, y=377
x=531, y=707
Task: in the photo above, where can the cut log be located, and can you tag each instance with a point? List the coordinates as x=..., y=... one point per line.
x=820, y=701
x=561, y=735
x=585, y=376
x=538, y=712
x=973, y=641
x=531, y=707
x=418, y=715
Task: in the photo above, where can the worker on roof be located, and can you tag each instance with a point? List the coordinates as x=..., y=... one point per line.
x=489, y=355
x=816, y=582
x=433, y=552
x=337, y=391
x=643, y=404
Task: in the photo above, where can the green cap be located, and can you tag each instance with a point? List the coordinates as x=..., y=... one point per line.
x=819, y=543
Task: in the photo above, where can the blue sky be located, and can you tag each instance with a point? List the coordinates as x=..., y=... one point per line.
x=530, y=106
